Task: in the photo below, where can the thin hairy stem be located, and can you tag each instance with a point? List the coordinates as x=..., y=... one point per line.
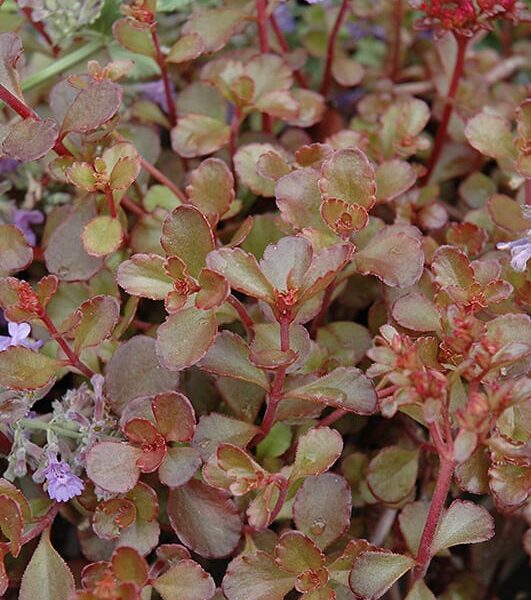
x=331, y=48
x=440, y=137
x=43, y=426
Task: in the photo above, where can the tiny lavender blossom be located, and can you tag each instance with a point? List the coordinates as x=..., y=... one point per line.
x=18, y=336
x=154, y=91
x=520, y=251
x=62, y=483
x=22, y=219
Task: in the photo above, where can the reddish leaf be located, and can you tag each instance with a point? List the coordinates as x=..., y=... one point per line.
x=175, y=416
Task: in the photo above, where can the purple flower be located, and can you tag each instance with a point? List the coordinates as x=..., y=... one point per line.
x=154, y=91
x=62, y=483
x=363, y=29
x=22, y=219
x=7, y=165
x=284, y=18
x=18, y=336
x=520, y=251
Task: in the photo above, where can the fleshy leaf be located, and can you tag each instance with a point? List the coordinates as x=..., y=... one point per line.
x=317, y=450
x=375, y=572
x=30, y=139
x=135, y=36
x=491, y=135
x=392, y=473
x=346, y=388
x=186, y=48
x=463, y=523
x=296, y=553
x=184, y=338
x=197, y=135
x=94, y=320
x=185, y=580
x=205, y=520
x=414, y=311
x=25, y=369
x=179, y=466
x=211, y=188
x=112, y=466
x=393, y=178
x=215, y=27
x=92, y=107
x=420, y=591
x=144, y=275
x=15, y=252
x=47, y=576
x=214, y=429
x=323, y=507
x=175, y=416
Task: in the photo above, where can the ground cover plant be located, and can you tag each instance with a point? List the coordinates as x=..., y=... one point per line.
x=264, y=294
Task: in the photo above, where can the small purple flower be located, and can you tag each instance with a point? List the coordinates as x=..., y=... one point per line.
x=18, y=336
x=154, y=91
x=285, y=18
x=520, y=251
x=363, y=29
x=62, y=483
x=8, y=165
x=22, y=219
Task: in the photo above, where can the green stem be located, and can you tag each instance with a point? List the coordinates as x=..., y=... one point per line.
x=43, y=426
x=62, y=64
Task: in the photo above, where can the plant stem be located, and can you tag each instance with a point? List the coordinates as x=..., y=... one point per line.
x=243, y=315
x=39, y=27
x=110, y=202
x=440, y=137
x=43, y=426
x=165, y=76
x=282, y=493
x=276, y=389
x=383, y=527
x=161, y=178
x=22, y=109
x=233, y=140
x=318, y=320
x=527, y=190
x=444, y=479
x=282, y=42
x=261, y=15
x=133, y=207
x=73, y=358
x=40, y=526
x=397, y=38
x=331, y=48
x=62, y=64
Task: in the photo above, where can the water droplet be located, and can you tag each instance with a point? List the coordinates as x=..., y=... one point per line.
x=317, y=527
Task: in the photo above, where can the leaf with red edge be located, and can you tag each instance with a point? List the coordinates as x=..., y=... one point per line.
x=179, y=466
x=112, y=466
x=143, y=275
x=197, y=135
x=296, y=553
x=375, y=572
x=30, y=139
x=323, y=508
x=214, y=290
x=92, y=107
x=15, y=252
x=185, y=580
x=25, y=369
x=317, y=450
x=507, y=214
x=343, y=218
x=392, y=473
x=128, y=566
x=414, y=311
x=211, y=188
x=347, y=175
x=395, y=257
x=11, y=523
x=142, y=432
x=111, y=516
x=186, y=48
x=256, y=577
x=11, y=57
x=94, y=321
x=177, y=241
x=205, y=520
x=452, y=268
x=135, y=36
x=393, y=178
x=214, y=429
x=175, y=416
x=463, y=522
x=145, y=500
x=185, y=337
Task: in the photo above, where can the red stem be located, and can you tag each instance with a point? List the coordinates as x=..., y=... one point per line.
x=282, y=42
x=397, y=38
x=261, y=14
x=172, y=113
x=438, y=145
x=133, y=207
x=233, y=140
x=45, y=522
x=331, y=48
x=276, y=389
x=444, y=479
x=283, y=491
x=39, y=27
x=110, y=202
x=161, y=178
x=22, y=109
x=73, y=358
x=243, y=315
x=527, y=190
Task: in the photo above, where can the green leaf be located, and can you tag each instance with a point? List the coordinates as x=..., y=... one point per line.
x=245, y=162
x=256, y=577
x=393, y=178
x=11, y=522
x=82, y=175
x=102, y=235
x=135, y=36
x=205, y=520
x=30, y=139
x=347, y=175
x=414, y=311
x=296, y=553
x=112, y=466
x=11, y=56
x=215, y=429
x=507, y=214
x=124, y=173
x=197, y=135
x=412, y=519
x=323, y=508
x=47, y=576
x=491, y=135
x=317, y=450
x=177, y=241
x=346, y=388
x=392, y=473
x=186, y=48
x=185, y=580
x=420, y=591
x=184, y=337
x=229, y=357
x=463, y=523
x=215, y=26
x=299, y=198
x=375, y=572
x=144, y=275
x=95, y=320
x=15, y=252
x=211, y=188
x=179, y=466
x=24, y=369
x=276, y=442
